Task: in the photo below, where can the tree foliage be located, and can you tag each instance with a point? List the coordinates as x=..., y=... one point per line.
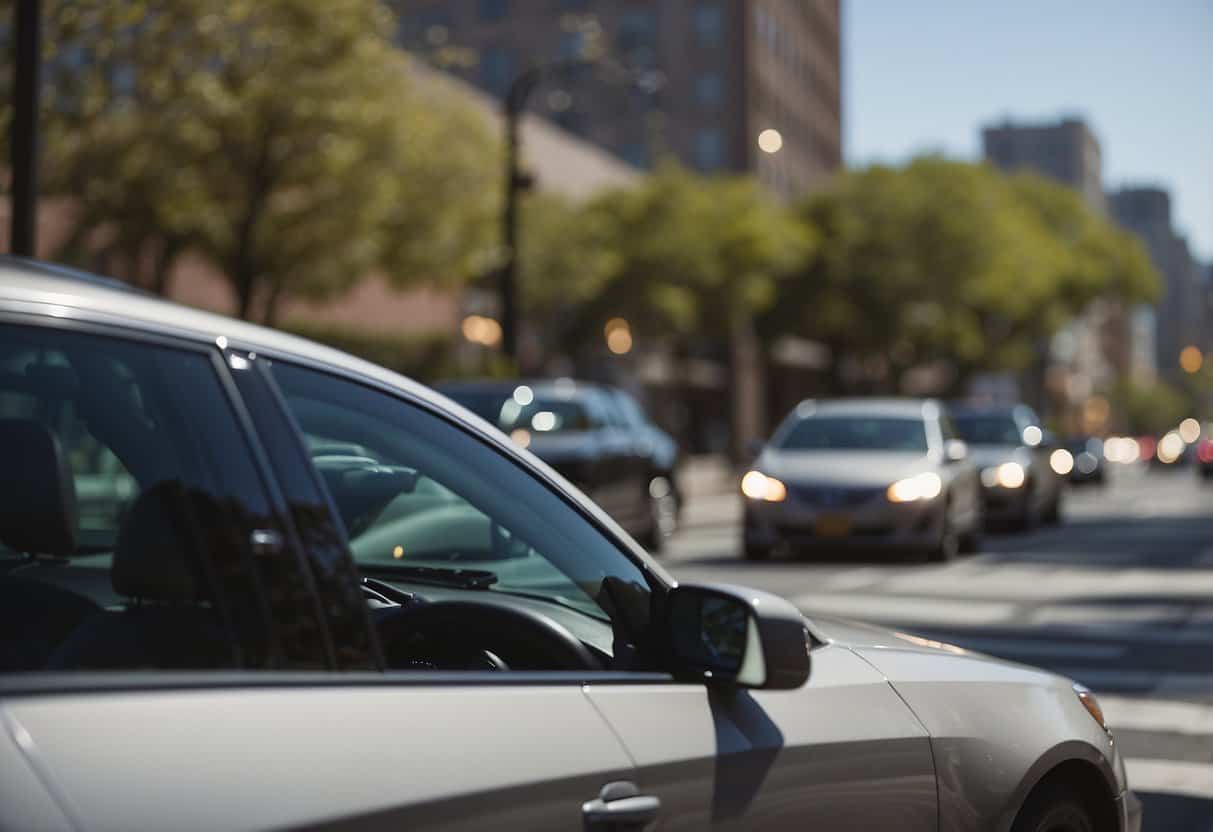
x=676, y=254
x=948, y=260
x=281, y=139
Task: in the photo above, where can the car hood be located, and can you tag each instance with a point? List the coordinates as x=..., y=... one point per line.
x=859, y=468
x=874, y=643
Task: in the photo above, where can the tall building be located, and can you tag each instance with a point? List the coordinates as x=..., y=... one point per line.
x=1067, y=152
x=727, y=72
x=1179, y=318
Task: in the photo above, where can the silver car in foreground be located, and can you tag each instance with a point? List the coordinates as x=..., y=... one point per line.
x=877, y=473
x=332, y=599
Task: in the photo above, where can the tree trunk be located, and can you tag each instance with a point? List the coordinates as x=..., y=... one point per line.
x=162, y=265
x=270, y=318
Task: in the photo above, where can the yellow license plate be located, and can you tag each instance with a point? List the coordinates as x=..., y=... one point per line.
x=833, y=525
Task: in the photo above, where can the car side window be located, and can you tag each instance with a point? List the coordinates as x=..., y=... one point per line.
x=425, y=501
x=127, y=505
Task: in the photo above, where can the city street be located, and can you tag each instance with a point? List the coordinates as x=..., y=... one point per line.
x=1119, y=597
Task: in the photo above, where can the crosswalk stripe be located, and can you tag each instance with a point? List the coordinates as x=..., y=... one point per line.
x=1170, y=777
x=1149, y=714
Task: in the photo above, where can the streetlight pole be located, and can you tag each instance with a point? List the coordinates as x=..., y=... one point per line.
x=515, y=183
x=23, y=138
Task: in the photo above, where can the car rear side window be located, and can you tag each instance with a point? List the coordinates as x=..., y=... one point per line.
x=127, y=512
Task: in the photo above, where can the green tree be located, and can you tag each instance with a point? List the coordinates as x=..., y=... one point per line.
x=945, y=260
x=281, y=139
x=676, y=255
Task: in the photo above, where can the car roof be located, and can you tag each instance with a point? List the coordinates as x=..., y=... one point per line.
x=47, y=289
x=904, y=408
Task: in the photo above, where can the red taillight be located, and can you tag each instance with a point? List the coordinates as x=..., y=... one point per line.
x=1204, y=451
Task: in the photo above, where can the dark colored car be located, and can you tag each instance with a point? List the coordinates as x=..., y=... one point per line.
x=1204, y=459
x=595, y=436
x=1087, y=461
x=1012, y=449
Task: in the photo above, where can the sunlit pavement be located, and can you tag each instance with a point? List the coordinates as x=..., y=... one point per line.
x=1120, y=597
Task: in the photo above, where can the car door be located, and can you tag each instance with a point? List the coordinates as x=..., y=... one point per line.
x=842, y=752
x=204, y=694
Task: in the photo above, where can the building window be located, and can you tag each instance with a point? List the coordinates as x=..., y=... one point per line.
x=497, y=69
x=708, y=21
x=708, y=88
x=493, y=10
x=709, y=149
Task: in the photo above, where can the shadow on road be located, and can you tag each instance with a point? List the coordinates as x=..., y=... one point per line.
x=1170, y=812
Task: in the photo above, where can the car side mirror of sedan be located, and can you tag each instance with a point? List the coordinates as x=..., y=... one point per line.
x=729, y=636
x=955, y=450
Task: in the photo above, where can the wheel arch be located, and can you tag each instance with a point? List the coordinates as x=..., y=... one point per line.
x=1078, y=765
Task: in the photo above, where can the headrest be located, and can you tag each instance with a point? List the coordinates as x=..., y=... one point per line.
x=153, y=555
x=37, y=492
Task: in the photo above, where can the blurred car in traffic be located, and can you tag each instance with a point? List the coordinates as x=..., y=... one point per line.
x=596, y=436
x=336, y=600
x=1086, y=463
x=885, y=473
x=1013, y=452
x=1204, y=458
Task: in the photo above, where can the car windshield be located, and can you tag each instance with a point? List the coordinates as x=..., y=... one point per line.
x=854, y=433
x=989, y=429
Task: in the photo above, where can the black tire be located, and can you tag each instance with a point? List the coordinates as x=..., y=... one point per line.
x=1029, y=515
x=970, y=542
x=754, y=551
x=1052, y=514
x=948, y=546
x=1054, y=808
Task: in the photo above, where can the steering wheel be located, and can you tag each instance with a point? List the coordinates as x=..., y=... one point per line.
x=486, y=630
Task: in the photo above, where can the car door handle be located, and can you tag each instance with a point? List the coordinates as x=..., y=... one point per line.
x=620, y=805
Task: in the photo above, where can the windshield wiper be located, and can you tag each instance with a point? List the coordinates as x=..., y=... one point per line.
x=459, y=578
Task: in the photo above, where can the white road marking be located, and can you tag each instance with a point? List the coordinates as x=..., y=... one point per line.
x=1134, y=713
x=1170, y=777
x=923, y=611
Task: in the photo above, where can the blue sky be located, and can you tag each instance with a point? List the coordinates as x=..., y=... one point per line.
x=925, y=75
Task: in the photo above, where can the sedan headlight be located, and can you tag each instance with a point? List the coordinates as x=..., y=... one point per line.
x=1007, y=475
x=924, y=486
x=758, y=486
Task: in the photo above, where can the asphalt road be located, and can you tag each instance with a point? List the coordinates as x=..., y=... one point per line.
x=1119, y=597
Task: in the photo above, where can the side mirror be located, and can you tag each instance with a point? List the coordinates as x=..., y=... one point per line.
x=955, y=450
x=737, y=637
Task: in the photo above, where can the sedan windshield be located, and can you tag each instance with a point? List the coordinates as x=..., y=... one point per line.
x=989, y=430
x=836, y=433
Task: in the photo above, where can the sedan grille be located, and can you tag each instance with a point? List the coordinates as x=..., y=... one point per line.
x=832, y=496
